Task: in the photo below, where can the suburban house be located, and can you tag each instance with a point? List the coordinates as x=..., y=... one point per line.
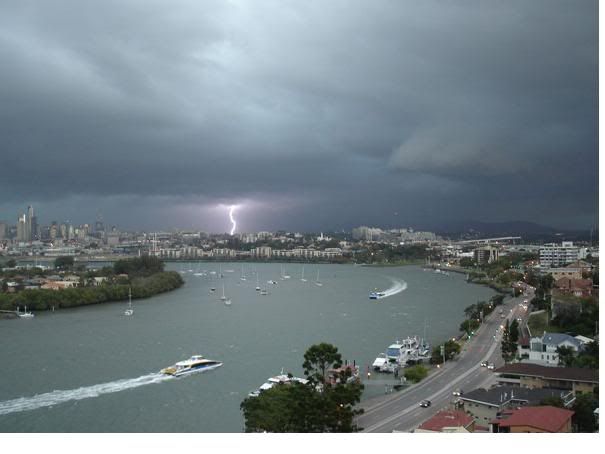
x=544, y=419
x=543, y=350
x=448, y=422
x=575, y=287
x=575, y=379
x=485, y=405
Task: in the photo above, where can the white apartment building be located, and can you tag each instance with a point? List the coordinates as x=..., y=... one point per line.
x=554, y=255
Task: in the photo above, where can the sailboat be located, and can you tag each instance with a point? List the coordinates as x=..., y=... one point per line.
x=317, y=282
x=283, y=275
x=303, y=275
x=130, y=310
x=198, y=272
x=242, y=278
x=257, y=284
x=224, y=299
x=25, y=314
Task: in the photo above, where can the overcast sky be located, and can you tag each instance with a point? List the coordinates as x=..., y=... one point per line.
x=308, y=115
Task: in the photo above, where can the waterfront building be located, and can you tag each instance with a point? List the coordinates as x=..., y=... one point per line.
x=485, y=255
x=555, y=255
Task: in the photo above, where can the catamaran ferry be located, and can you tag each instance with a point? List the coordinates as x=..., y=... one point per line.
x=196, y=363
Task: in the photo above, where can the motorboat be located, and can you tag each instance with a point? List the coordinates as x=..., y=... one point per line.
x=272, y=282
x=25, y=314
x=264, y=292
x=380, y=361
x=196, y=363
x=402, y=351
x=282, y=379
x=376, y=294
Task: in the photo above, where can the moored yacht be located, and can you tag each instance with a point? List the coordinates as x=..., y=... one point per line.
x=281, y=379
x=25, y=314
x=196, y=363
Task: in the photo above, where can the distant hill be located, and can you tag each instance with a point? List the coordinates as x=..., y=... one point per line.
x=529, y=231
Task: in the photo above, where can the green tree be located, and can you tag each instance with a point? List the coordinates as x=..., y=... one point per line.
x=566, y=356
x=514, y=331
x=452, y=348
x=64, y=262
x=318, y=359
x=415, y=374
x=11, y=263
x=508, y=347
x=297, y=407
x=583, y=419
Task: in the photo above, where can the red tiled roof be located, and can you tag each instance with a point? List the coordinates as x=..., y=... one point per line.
x=447, y=419
x=547, y=418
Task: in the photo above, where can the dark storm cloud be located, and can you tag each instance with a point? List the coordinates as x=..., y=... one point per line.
x=338, y=114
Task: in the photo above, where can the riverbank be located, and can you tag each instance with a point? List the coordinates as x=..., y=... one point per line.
x=43, y=299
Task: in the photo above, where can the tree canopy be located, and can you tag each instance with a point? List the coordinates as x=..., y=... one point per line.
x=315, y=406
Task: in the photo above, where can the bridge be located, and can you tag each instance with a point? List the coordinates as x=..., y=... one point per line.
x=489, y=240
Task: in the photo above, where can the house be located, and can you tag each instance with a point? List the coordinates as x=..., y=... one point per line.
x=577, y=287
x=58, y=285
x=543, y=350
x=448, y=421
x=483, y=405
x=545, y=419
x=575, y=379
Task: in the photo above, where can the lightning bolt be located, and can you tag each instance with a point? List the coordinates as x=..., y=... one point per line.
x=231, y=210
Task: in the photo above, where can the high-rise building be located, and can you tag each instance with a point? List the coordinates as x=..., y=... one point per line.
x=21, y=228
x=3, y=230
x=29, y=231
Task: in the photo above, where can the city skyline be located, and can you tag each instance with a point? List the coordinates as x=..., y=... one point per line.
x=306, y=116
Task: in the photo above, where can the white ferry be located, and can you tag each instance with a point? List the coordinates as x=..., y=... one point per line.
x=196, y=363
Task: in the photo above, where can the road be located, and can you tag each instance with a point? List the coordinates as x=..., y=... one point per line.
x=401, y=411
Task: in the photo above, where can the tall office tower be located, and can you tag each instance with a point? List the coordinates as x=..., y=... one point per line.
x=21, y=228
x=29, y=231
x=63, y=230
x=54, y=231
x=3, y=230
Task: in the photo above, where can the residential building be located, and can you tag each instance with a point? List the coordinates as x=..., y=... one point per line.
x=545, y=419
x=543, y=349
x=483, y=405
x=448, y=421
x=485, y=255
x=575, y=379
x=554, y=255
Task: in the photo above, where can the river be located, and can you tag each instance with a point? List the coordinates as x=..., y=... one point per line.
x=92, y=369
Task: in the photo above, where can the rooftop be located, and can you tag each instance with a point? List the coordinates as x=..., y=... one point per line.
x=546, y=418
x=447, y=418
x=555, y=373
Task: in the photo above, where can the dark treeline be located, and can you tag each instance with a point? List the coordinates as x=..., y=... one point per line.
x=145, y=278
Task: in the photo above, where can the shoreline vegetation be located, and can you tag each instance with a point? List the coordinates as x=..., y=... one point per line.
x=144, y=277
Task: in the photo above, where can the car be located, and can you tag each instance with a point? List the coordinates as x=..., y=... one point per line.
x=519, y=319
x=491, y=366
x=483, y=363
x=457, y=392
x=425, y=403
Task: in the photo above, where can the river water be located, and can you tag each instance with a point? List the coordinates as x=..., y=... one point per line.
x=92, y=369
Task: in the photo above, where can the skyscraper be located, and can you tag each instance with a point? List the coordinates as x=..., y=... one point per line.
x=30, y=224
x=22, y=228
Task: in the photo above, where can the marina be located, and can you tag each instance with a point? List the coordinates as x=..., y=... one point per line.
x=112, y=389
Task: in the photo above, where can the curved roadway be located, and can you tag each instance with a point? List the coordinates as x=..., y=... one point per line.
x=402, y=412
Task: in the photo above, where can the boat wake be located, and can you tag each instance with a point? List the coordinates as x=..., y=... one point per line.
x=62, y=396
x=397, y=287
